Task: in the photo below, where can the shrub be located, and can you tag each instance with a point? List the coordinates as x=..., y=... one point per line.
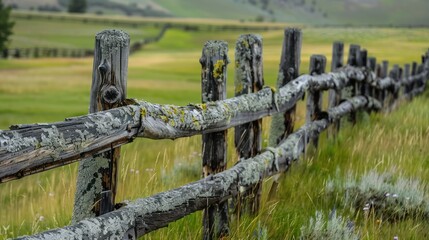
x=330, y=227
x=388, y=196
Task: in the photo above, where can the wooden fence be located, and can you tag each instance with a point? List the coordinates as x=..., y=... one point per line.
x=114, y=120
x=38, y=52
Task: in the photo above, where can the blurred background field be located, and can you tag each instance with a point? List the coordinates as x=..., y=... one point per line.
x=168, y=71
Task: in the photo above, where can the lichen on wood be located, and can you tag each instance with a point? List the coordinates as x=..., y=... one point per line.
x=214, y=61
x=249, y=78
x=151, y=213
x=290, y=61
x=21, y=153
x=113, y=40
x=98, y=173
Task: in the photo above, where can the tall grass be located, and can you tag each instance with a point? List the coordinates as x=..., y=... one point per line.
x=48, y=90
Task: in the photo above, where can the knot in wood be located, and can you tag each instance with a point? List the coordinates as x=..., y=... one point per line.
x=111, y=95
x=104, y=68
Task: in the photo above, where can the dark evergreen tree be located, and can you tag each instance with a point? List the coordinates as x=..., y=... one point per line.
x=77, y=6
x=6, y=25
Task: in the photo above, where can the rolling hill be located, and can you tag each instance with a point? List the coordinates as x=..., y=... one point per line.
x=321, y=12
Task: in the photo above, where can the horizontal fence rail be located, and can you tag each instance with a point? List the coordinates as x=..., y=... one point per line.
x=148, y=214
x=29, y=149
x=360, y=85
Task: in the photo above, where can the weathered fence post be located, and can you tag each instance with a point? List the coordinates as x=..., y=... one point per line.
x=248, y=137
x=282, y=124
x=363, y=87
x=214, y=61
x=394, y=74
x=413, y=73
x=27, y=52
x=314, y=98
x=96, y=180
x=334, y=95
x=17, y=53
x=355, y=60
x=407, y=75
x=384, y=92
x=372, y=67
x=36, y=52
x=5, y=53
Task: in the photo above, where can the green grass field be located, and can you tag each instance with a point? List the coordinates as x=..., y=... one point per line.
x=338, y=12
x=47, y=90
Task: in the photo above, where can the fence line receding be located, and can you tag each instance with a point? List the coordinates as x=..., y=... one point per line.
x=361, y=84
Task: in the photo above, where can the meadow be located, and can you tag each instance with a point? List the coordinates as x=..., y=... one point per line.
x=47, y=90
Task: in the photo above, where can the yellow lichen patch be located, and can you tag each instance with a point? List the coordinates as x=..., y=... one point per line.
x=204, y=106
x=226, y=106
x=164, y=119
x=143, y=111
x=172, y=123
x=245, y=44
x=195, y=122
x=238, y=88
x=218, y=69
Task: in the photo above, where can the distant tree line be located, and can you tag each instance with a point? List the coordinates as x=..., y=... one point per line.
x=6, y=25
x=77, y=6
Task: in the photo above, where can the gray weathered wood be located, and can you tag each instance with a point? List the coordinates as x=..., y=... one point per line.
x=413, y=73
x=384, y=74
x=108, y=91
x=378, y=91
x=148, y=214
x=334, y=95
x=407, y=75
x=282, y=124
x=214, y=61
x=28, y=149
x=248, y=137
x=355, y=60
x=393, y=96
x=372, y=65
x=314, y=98
x=363, y=87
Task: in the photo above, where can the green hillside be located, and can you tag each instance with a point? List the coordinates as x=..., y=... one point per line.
x=321, y=12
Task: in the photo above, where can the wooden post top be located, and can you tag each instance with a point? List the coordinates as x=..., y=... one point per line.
x=112, y=40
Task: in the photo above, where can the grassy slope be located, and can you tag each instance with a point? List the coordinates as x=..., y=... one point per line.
x=38, y=33
x=384, y=12
x=168, y=72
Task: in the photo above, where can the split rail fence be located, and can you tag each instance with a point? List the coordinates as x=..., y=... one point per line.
x=38, y=52
x=95, y=139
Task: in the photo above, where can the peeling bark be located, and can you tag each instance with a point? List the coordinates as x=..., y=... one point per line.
x=148, y=214
x=28, y=149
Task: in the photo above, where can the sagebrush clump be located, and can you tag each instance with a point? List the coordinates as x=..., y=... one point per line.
x=332, y=227
x=391, y=197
